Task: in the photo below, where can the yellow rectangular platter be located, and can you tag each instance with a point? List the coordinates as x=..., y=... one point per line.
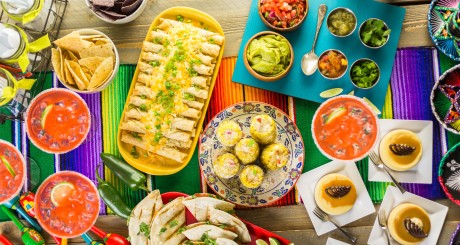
x=151, y=164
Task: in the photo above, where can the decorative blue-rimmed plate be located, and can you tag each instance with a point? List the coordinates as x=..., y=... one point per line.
x=276, y=183
x=439, y=14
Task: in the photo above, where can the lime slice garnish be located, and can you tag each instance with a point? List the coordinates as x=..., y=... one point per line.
x=335, y=114
x=45, y=115
x=8, y=166
x=331, y=92
x=61, y=192
x=374, y=108
x=261, y=242
x=273, y=241
x=352, y=92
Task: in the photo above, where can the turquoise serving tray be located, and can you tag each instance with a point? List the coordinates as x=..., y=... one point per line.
x=295, y=83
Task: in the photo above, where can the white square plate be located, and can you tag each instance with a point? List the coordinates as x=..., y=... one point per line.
x=306, y=186
x=420, y=173
x=392, y=198
x=332, y=241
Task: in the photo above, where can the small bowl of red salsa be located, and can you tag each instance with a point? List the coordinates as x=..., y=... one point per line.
x=283, y=15
x=332, y=64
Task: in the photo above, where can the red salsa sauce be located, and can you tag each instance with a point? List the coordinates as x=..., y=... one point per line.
x=283, y=13
x=12, y=171
x=345, y=128
x=58, y=121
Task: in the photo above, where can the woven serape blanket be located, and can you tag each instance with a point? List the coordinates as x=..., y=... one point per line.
x=414, y=74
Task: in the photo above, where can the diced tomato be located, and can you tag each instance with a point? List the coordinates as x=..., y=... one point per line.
x=287, y=12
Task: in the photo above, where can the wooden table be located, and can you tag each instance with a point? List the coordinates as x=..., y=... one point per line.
x=291, y=222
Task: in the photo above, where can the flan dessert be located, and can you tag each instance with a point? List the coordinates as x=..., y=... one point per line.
x=409, y=224
x=335, y=194
x=400, y=149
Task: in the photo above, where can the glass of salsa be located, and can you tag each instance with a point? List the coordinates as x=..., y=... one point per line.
x=345, y=128
x=12, y=171
x=67, y=204
x=57, y=120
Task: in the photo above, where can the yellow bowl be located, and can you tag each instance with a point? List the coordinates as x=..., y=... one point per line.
x=150, y=165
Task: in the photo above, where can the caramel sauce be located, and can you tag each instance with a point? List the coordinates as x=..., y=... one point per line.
x=347, y=200
x=408, y=140
x=411, y=212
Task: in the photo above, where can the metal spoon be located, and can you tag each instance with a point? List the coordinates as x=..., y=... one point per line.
x=310, y=59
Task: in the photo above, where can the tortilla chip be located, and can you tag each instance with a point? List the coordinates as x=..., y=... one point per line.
x=91, y=63
x=90, y=37
x=77, y=74
x=68, y=76
x=103, y=51
x=101, y=74
x=73, y=42
x=72, y=56
x=56, y=61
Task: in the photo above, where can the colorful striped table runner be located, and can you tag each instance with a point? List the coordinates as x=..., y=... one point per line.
x=414, y=73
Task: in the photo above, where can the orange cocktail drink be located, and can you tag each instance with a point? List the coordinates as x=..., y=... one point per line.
x=345, y=128
x=67, y=204
x=57, y=120
x=12, y=171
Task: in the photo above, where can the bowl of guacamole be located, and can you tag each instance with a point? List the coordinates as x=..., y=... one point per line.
x=268, y=56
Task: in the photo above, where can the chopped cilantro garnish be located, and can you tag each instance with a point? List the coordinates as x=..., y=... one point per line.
x=192, y=72
x=158, y=40
x=143, y=97
x=230, y=211
x=188, y=96
x=144, y=107
x=207, y=240
x=174, y=73
x=144, y=229
x=134, y=153
x=206, y=28
x=155, y=63
x=195, y=61
x=136, y=135
x=147, y=127
x=180, y=230
x=166, y=43
x=168, y=85
x=163, y=230
x=173, y=223
x=157, y=137
x=211, y=41
x=158, y=126
x=180, y=18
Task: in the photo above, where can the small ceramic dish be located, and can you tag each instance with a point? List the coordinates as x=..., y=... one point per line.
x=449, y=174
x=393, y=197
x=264, y=15
x=123, y=20
x=324, y=65
x=261, y=76
x=362, y=27
x=362, y=207
x=352, y=73
x=331, y=25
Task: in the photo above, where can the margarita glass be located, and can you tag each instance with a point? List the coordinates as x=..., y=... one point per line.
x=67, y=204
x=58, y=120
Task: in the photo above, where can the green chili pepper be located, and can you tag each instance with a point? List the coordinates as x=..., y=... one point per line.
x=111, y=198
x=129, y=175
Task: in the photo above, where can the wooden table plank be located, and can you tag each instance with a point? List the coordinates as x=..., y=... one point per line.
x=231, y=14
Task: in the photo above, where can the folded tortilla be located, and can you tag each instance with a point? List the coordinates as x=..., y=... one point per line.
x=218, y=217
x=200, y=206
x=171, y=153
x=151, y=56
x=203, y=69
x=194, y=104
x=198, y=93
x=134, y=126
x=144, y=212
x=152, y=47
x=200, y=81
x=167, y=221
x=210, y=49
x=213, y=232
x=129, y=139
x=145, y=67
x=225, y=241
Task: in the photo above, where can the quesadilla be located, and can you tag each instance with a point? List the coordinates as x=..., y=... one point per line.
x=218, y=217
x=141, y=217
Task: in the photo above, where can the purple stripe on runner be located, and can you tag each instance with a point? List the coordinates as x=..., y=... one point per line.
x=413, y=77
x=85, y=158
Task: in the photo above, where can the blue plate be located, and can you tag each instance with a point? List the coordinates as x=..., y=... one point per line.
x=438, y=16
x=296, y=84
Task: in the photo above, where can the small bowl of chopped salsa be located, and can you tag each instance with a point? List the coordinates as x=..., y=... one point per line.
x=268, y=56
x=283, y=15
x=341, y=22
x=374, y=33
x=345, y=128
x=364, y=73
x=332, y=64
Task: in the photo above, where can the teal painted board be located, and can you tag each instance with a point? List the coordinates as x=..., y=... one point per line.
x=295, y=83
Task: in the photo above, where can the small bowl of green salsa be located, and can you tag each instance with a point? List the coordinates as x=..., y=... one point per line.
x=341, y=22
x=268, y=56
x=364, y=73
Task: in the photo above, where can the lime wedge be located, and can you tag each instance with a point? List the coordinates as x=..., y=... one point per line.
x=273, y=241
x=61, y=192
x=8, y=166
x=331, y=92
x=335, y=114
x=374, y=108
x=352, y=92
x=45, y=115
x=261, y=242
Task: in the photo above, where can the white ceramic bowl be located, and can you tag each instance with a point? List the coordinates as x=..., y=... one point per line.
x=125, y=20
x=115, y=68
